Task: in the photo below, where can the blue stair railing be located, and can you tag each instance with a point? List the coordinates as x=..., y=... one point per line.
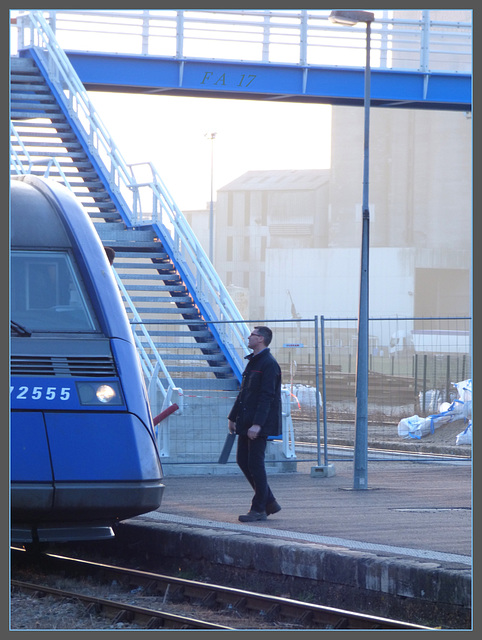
x=140, y=203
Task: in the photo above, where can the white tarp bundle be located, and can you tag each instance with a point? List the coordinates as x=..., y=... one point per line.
x=303, y=396
x=417, y=427
x=465, y=437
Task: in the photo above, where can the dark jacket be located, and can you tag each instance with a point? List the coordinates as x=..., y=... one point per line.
x=259, y=398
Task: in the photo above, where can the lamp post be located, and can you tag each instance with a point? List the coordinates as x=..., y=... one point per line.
x=211, y=136
x=361, y=417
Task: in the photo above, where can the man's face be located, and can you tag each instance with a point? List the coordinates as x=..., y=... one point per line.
x=254, y=339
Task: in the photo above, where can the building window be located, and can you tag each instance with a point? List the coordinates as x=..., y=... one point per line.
x=246, y=248
x=263, y=248
x=230, y=210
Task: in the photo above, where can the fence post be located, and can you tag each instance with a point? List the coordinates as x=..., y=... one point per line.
x=326, y=470
x=317, y=387
x=424, y=386
x=447, y=381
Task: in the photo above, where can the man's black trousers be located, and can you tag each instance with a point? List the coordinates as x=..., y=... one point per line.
x=250, y=458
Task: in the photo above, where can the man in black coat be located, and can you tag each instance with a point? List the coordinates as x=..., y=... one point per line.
x=256, y=414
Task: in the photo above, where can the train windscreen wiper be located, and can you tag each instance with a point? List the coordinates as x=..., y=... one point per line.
x=19, y=329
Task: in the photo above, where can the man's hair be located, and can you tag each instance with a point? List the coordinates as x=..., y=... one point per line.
x=110, y=253
x=266, y=333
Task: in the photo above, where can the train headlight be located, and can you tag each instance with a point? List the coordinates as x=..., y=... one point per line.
x=95, y=393
x=105, y=393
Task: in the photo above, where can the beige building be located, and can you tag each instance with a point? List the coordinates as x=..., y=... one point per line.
x=293, y=237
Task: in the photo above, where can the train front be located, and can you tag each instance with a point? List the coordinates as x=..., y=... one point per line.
x=83, y=454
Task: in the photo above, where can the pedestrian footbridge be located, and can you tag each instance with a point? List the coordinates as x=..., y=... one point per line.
x=419, y=59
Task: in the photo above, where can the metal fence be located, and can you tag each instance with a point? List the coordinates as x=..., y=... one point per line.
x=427, y=40
x=414, y=367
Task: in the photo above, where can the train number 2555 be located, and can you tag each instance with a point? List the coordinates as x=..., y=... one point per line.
x=37, y=393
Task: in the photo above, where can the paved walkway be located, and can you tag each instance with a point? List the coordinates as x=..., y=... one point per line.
x=416, y=509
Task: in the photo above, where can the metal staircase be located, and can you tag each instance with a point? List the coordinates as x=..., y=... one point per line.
x=188, y=331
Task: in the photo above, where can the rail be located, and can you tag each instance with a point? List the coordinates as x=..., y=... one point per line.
x=145, y=202
x=425, y=40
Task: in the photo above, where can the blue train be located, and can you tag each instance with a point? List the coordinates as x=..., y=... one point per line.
x=83, y=454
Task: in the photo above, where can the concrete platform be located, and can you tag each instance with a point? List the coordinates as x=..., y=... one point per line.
x=400, y=548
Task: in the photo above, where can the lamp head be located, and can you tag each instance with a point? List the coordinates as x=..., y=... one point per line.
x=350, y=18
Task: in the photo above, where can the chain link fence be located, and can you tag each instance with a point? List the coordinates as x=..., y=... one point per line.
x=415, y=365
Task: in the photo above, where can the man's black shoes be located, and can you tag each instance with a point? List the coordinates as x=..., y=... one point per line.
x=272, y=507
x=253, y=516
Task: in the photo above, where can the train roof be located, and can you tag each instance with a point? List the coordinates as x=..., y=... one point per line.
x=34, y=220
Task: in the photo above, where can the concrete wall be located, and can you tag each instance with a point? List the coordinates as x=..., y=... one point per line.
x=330, y=286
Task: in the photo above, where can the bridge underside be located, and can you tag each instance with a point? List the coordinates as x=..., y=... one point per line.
x=271, y=82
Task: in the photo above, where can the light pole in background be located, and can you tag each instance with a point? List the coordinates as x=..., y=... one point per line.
x=361, y=425
x=211, y=136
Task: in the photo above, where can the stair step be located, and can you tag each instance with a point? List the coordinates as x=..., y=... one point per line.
x=80, y=165
x=114, y=215
x=208, y=384
x=177, y=310
x=70, y=138
x=160, y=299
x=60, y=156
x=137, y=265
x=96, y=195
x=91, y=200
x=75, y=175
x=210, y=357
x=176, y=288
x=18, y=63
x=41, y=143
x=57, y=154
x=147, y=287
x=149, y=276
x=60, y=127
x=146, y=255
x=200, y=333
x=126, y=236
x=37, y=114
x=180, y=345
x=37, y=94
x=191, y=369
x=26, y=80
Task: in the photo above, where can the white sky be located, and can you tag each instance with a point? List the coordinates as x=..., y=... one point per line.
x=250, y=135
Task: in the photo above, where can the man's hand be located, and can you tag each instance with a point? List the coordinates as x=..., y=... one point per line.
x=253, y=431
x=231, y=426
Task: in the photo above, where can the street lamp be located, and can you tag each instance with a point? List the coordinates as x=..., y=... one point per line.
x=351, y=18
x=211, y=136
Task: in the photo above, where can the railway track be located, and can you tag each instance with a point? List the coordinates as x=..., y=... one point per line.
x=122, y=611
x=274, y=611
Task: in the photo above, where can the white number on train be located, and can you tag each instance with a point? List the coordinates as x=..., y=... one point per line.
x=38, y=392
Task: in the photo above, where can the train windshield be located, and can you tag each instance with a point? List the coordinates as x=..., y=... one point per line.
x=47, y=293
